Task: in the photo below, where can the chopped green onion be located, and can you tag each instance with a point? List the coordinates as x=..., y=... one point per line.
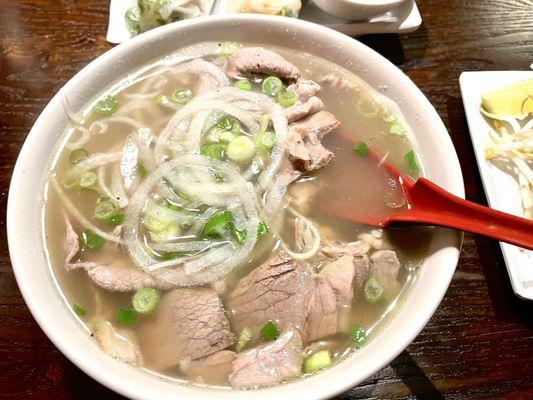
x=243, y=84
x=133, y=20
x=239, y=235
x=126, y=316
x=372, y=290
x=169, y=255
x=218, y=178
x=262, y=228
x=91, y=240
x=266, y=141
x=241, y=149
x=217, y=224
x=145, y=300
x=173, y=207
x=107, y=106
x=358, y=335
x=161, y=99
x=71, y=184
x=361, y=149
x=286, y=12
x=228, y=48
x=117, y=219
x=286, y=99
x=87, y=179
x=141, y=170
x=411, y=161
x=216, y=151
x=181, y=96
x=244, y=337
x=80, y=312
x=270, y=331
x=104, y=210
x=78, y=155
x=320, y=360
x=272, y=85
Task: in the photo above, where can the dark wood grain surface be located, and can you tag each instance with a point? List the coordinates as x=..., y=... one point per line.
x=479, y=343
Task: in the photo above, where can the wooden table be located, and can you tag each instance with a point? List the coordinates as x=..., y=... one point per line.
x=479, y=343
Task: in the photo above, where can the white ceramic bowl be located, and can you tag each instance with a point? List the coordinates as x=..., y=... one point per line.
x=357, y=9
x=26, y=195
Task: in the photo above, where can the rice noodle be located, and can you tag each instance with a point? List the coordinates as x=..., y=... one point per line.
x=118, y=189
x=209, y=266
x=94, y=161
x=71, y=208
x=307, y=237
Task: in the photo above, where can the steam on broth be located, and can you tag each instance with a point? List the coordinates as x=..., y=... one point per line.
x=185, y=219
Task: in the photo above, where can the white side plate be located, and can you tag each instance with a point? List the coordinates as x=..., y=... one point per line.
x=403, y=19
x=501, y=188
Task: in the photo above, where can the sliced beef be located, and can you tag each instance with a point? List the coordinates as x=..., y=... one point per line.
x=385, y=267
x=335, y=250
x=339, y=274
x=269, y=364
x=189, y=324
x=302, y=110
x=322, y=317
x=304, y=89
x=276, y=291
x=119, y=278
x=72, y=243
x=303, y=142
x=260, y=61
x=362, y=270
x=215, y=367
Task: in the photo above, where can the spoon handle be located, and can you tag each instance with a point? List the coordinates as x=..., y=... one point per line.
x=436, y=206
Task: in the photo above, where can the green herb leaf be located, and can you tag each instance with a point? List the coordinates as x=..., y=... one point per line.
x=410, y=157
x=361, y=149
x=270, y=331
x=107, y=106
x=91, y=240
x=141, y=170
x=126, y=316
x=80, y=312
x=217, y=224
x=358, y=335
x=116, y=220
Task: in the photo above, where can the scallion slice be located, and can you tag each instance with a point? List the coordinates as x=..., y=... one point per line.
x=272, y=85
x=80, y=312
x=78, y=155
x=87, y=179
x=181, y=96
x=241, y=149
x=410, y=157
x=244, y=337
x=266, y=141
x=270, y=331
x=91, y=240
x=126, y=316
x=107, y=106
x=216, y=151
x=243, y=84
x=145, y=300
x=286, y=99
x=358, y=335
x=372, y=289
x=116, y=220
x=320, y=360
x=141, y=170
x=104, y=210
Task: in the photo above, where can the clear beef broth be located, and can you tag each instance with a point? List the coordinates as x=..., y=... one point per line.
x=349, y=174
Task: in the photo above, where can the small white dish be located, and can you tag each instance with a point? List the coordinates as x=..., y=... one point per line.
x=403, y=19
x=357, y=9
x=501, y=188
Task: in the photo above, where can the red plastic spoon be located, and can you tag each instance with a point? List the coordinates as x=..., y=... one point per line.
x=427, y=203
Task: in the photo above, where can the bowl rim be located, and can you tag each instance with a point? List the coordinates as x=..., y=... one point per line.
x=108, y=372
